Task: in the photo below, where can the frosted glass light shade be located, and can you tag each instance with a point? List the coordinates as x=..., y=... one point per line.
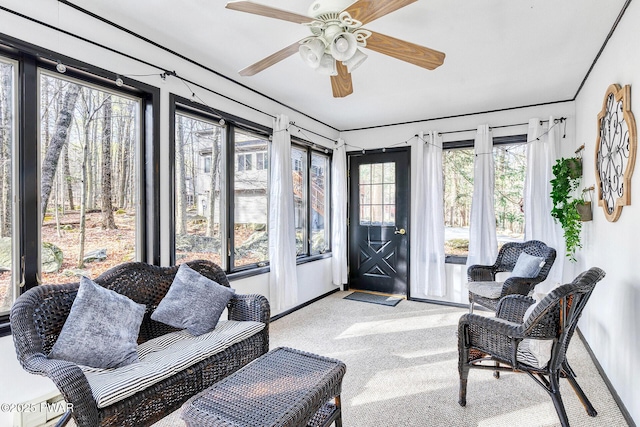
x=311, y=52
x=343, y=46
x=327, y=65
x=355, y=61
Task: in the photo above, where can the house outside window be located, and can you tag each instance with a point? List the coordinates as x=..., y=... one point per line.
x=320, y=209
x=300, y=179
x=199, y=148
x=250, y=202
x=510, y=168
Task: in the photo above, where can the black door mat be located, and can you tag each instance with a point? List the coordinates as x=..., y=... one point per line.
x=374, y=299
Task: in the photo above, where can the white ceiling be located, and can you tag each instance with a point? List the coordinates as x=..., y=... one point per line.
x=500, y=54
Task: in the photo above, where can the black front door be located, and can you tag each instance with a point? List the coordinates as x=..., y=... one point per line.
x=378, y=221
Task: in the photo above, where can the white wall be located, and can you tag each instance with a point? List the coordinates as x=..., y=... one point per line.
x=611, y=321
x=73, y=21
x=456, y=275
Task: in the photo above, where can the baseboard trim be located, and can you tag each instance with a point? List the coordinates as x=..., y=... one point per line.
x=447, y=303
x=298, y=307
x=605, y=378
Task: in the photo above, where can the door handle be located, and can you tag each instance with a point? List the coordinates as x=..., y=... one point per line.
x=401, y=231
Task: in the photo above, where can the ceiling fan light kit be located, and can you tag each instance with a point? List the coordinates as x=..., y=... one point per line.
x=337, y=35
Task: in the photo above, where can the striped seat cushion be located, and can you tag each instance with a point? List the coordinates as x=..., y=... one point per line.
x=534, y=352
x=162, y=357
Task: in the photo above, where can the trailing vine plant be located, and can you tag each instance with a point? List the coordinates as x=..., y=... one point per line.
x=567, y=174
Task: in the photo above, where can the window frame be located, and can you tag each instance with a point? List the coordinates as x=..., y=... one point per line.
x=15, y=185
x=181, y=105
x=469, y=143
x=177, y=106
x=311, y=149
x=31, y=59
x=264, y=133
x=327, y=198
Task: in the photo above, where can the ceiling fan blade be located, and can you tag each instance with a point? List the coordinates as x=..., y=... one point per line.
x=270, y=60
x=405, y=51
x=268, y=11
x=341, y=84
x=367, y=10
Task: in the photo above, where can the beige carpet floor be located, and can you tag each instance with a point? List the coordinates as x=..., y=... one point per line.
x=402, y=370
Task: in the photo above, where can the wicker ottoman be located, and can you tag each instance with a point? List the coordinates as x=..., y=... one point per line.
x=284, y=387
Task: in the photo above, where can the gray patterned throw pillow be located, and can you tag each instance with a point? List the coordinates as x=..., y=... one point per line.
x=101, y=330
x=193, y=302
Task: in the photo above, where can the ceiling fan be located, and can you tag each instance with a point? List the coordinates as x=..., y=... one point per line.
x=337, y=35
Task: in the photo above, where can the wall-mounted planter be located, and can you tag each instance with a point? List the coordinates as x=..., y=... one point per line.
x=584, y=210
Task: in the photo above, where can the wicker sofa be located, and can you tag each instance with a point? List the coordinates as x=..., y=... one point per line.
x=38, y=315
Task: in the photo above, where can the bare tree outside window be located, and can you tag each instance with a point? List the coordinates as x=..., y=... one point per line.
x=7, y=72
x=89, y=139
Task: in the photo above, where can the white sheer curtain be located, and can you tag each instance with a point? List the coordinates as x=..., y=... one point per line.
x=283, y=281
x=427, y=247
x=542, y=149
x=339, y=215
x=483, y=244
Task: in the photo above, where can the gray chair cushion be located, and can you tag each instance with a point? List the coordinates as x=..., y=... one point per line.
x=491, y=290
x=101, y=330
x=527, y=266
x=193, y=302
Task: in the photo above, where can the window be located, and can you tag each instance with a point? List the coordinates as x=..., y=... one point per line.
x=377, y=194
x=250, y=202
x=299, y=171
x=89, y=140
x=297, y=164
x=76, y=179
x=509, y=155
x=262, y=161
x=7, y=124
x=310, y=189
x=244, y=162
x=319, y=185
x=233, y=160
x=199, y=145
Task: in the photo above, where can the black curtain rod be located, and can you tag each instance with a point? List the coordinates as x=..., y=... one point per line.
x=560, y=120
x=185, y=58
x=162, y=69
x=310, y=131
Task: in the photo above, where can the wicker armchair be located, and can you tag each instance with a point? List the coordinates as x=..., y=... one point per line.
x=484, y=339
x=506, y=261
x=38, y=315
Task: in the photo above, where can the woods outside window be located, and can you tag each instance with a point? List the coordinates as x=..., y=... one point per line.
x=8, y=258
x=89, y=144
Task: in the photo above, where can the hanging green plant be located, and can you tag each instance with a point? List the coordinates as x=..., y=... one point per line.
x=567, y=174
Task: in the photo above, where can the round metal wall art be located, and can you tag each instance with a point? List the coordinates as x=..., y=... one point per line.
x=615, y=151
